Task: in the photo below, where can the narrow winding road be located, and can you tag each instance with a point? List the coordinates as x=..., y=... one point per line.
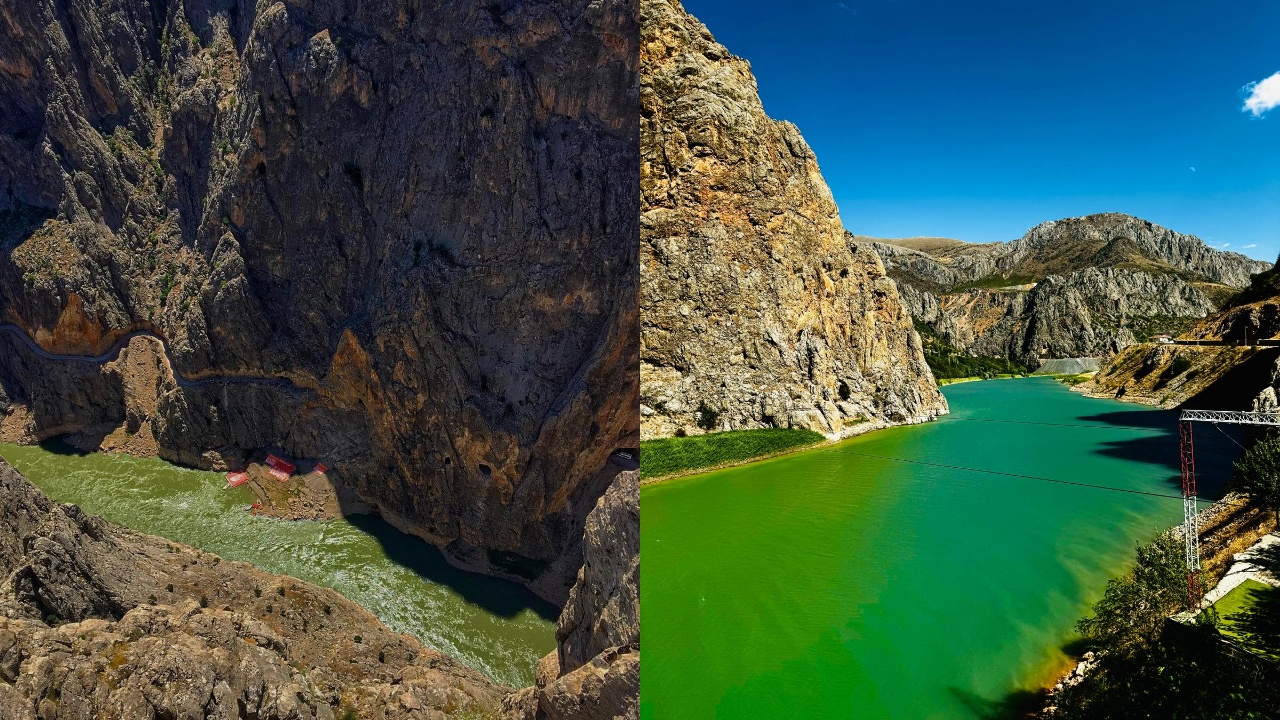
x=114, y=352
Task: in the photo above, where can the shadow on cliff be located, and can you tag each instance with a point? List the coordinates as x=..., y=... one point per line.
x=19, y=223
x=1216, y=447
x=495, y=595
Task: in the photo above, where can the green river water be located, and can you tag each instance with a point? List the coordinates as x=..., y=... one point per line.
x=492, y=625
x=830, y=584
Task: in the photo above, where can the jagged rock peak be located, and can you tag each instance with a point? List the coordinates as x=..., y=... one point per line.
x=1117, y=237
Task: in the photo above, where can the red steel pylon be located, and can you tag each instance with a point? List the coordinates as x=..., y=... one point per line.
x=1190, y=514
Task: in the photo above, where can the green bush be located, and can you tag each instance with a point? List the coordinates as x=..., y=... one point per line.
x=1151, y=667
x=1257, y=473
x=949, y=363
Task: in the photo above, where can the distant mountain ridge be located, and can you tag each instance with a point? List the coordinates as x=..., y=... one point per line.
x=1059, y=247
x=1084, y=286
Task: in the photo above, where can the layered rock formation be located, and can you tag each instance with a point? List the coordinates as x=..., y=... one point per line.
x=757, y=311
x=1091, y=312
x=410, y=228
x=99, y=621
x=595, y=672
x=1085, y=286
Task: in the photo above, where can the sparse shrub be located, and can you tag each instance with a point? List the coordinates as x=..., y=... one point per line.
x=280, y=592
x=270, y=609
x=382, y=656
x=204, y=601
x=257, y=591
x=328, y=610
x=169, y=587
x=359, y=639
x=151, y=599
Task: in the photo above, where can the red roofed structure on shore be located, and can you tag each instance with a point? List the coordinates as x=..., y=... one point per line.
x=280, y=468
x=235, y=479
x=322, y=468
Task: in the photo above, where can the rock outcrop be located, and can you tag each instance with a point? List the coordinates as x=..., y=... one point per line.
x=595, y=672
x=99, y=621
x=1088, y=286
x=409, y=228
x=1088, y=313
x=1227, y=370
x=757, y=311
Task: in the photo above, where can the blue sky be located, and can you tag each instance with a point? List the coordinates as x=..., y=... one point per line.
x=979, y=120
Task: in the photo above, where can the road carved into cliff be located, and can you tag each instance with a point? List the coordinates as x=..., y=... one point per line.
x=114, y=352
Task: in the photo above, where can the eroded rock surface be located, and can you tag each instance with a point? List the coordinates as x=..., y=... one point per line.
x=595, y=672
x=415, y=222
x=757, y=311
x=99, y=621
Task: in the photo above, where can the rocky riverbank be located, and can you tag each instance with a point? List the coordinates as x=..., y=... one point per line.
x=97, y=620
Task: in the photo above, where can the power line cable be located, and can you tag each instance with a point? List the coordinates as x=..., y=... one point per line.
x=1224, y=432
x=1007, y=474
x=1079, y=425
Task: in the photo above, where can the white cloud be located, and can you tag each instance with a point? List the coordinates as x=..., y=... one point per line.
x=1193, y=168
x=1250, y=246
x=1263, y=95
x=1226, y=245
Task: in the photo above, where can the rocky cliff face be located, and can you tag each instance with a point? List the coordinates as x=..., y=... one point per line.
x=595, y=673
x=99, y=621
x=1088, y=313
x=1087, y=286
x=757, y=311
x=1231, y=372
x=408, y=227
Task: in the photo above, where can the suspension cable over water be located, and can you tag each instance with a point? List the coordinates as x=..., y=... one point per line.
x=1006, y=474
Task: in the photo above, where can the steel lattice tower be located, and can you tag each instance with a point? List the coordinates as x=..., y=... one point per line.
x=1190, y=514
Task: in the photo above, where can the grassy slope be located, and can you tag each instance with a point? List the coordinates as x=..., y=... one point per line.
x=1234, y=610
x=667, y=456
